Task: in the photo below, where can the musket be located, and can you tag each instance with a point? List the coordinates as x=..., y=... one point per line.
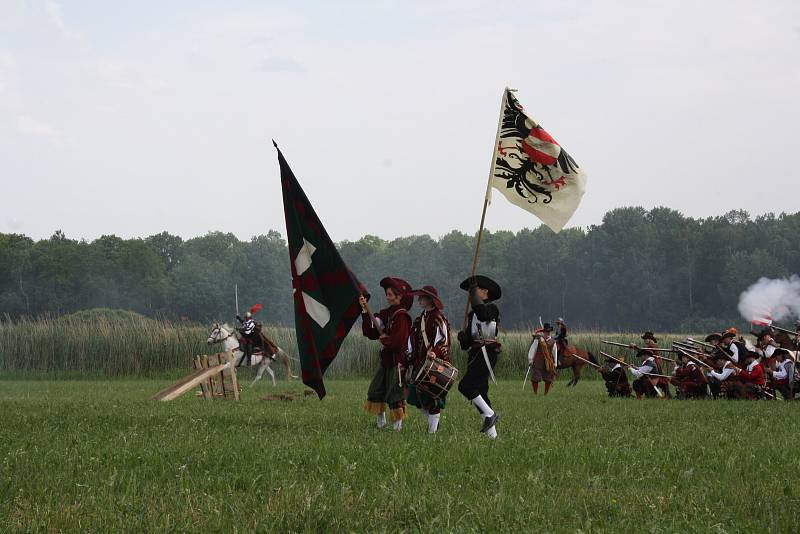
x=636, y=347
x=689, y=349
x=626, y=364
x=696, y=360
x=710, y=346
x=586, y=361
x=785, y=331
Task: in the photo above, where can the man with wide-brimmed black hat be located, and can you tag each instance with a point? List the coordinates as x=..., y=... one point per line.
x=646, y=385
x=650, y=342
x=393, y=330
x=616, y=379
x=479, y=339
x=430, y=339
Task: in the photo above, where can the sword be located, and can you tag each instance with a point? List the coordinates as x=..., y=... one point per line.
x=488, y=365
x=525, y=380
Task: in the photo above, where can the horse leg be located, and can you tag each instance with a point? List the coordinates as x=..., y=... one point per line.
x=260, y=372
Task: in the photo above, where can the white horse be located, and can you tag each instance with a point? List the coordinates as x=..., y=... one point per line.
x=225, y=334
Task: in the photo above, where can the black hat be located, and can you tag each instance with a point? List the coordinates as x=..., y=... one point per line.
x=727, y=334
x=713, y=336
x=644, y=353
x=486, y=283
x=781, y=352
x=547, y=327
x=650, y=336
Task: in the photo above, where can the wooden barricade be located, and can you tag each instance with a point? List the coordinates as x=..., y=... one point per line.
x=215, y=374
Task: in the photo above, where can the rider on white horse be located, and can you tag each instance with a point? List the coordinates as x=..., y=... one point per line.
x=250, y=337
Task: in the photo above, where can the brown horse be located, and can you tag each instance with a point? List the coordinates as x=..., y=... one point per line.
x=567, y=360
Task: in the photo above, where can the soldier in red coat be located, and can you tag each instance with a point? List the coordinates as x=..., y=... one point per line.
x=430, y=339
x=751, y=378
x=689, y=379
x=394, y=333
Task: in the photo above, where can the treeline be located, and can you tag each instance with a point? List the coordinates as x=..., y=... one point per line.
x=639, y=269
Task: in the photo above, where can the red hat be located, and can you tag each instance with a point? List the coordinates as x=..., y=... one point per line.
x=400, y=287
x=429, y=291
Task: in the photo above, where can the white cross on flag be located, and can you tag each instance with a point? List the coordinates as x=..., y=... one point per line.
x=532, y=170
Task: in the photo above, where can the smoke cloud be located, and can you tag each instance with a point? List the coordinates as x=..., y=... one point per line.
x=779, y=298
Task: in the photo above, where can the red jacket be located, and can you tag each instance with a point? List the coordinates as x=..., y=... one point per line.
x=397, y=327
x=756, y=376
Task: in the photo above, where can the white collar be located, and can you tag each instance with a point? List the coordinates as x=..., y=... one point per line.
x=752, y=366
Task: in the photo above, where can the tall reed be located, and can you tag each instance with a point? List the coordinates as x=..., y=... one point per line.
x=118, y=344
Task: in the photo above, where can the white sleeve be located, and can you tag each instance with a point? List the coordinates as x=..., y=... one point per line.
x=769, y=351
x=735, y=351
x=555, y=353
x=532, y=350
x=636, y=371
x=779, y=373
x=723, y=375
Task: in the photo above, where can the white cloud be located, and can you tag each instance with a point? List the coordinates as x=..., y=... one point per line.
x=53, y=11
x=124, y=75
x=29, y=125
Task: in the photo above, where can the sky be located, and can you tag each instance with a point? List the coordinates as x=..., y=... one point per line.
x=141, y=117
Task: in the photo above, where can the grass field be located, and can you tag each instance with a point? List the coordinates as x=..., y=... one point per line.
x=99, y=456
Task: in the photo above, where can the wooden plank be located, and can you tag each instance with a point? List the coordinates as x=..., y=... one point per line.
x=229, y=382
x=187, y=383
x=204, y=385
x=234, y=377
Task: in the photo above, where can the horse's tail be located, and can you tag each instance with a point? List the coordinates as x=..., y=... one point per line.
x=592, y=358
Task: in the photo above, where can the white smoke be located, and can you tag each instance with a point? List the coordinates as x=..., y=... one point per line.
x=778, y=297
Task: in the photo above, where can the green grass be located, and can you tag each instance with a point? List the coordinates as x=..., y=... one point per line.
x=99, y=456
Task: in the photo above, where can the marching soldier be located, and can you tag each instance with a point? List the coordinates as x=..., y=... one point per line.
x=543, y=358
x=431, y=339
x=479, y=339
x=393, y=330
x=616, y=379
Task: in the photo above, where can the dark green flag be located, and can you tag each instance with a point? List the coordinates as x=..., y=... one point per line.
x=325, y=291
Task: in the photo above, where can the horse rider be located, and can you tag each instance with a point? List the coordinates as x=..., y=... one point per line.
x=561, y=335
x=249, y=334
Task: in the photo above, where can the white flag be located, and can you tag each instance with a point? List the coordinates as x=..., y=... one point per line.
x=532, y=170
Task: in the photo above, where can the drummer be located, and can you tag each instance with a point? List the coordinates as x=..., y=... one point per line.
x=430, y=337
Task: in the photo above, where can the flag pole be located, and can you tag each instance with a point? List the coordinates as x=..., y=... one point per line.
x=487, y=199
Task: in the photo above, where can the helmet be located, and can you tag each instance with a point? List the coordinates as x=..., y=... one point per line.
x=248, y=315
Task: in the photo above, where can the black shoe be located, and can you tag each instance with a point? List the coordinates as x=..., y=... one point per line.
x=489, y=422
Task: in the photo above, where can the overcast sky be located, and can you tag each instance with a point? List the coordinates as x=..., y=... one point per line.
x=131, y=118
